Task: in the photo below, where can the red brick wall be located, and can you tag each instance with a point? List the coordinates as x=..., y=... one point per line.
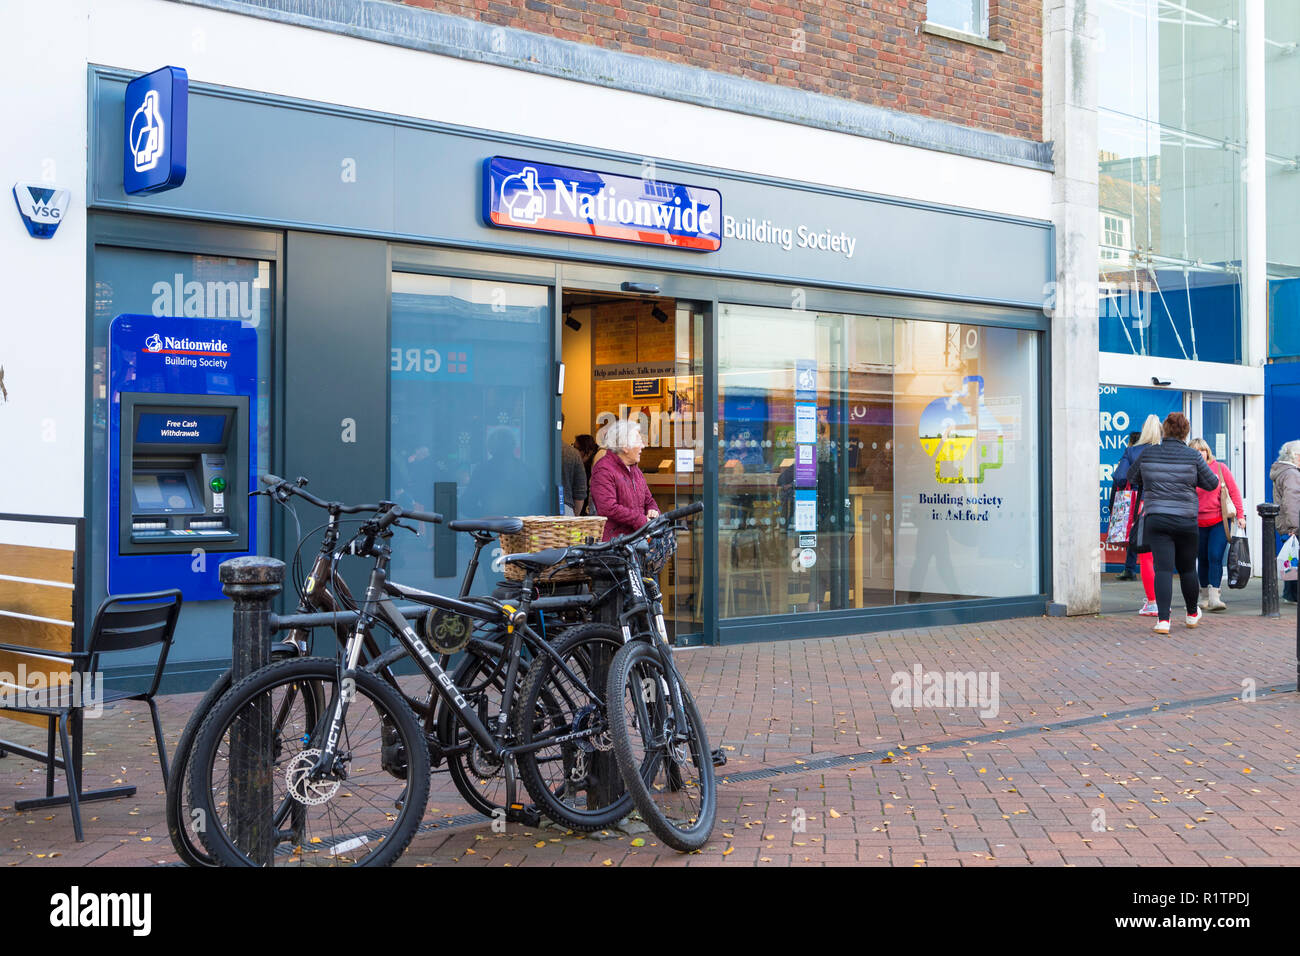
x=871, y=51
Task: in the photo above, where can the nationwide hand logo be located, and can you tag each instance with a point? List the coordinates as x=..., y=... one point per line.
x=580, y=202
x=962, y=435
x=147, y=133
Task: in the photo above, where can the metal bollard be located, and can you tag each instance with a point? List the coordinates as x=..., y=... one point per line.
x=1268, y=513
x=252, y=583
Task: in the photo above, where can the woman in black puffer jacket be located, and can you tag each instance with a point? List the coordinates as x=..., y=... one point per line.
x=1167, y=476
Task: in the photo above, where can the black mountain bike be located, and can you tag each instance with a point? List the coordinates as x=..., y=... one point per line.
x=351, y=783
x=655, y=730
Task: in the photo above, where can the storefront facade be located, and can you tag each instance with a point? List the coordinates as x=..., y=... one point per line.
x=854, y=382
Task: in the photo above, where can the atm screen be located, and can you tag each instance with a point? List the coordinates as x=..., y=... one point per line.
x=171, y=427
x=161, y=493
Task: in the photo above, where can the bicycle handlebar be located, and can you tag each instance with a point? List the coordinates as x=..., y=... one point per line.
x=279, y=486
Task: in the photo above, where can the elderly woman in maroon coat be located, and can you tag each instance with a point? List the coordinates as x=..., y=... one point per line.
x=618, y=489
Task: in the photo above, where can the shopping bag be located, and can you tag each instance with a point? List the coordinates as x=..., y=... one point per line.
x=1288, y=560
x=1121, y=518
x=1239, y=561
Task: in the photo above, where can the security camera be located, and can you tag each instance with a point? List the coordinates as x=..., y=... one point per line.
x=1156, y=381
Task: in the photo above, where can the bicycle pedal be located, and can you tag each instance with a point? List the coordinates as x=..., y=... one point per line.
x=528, y=815
x=719, y=757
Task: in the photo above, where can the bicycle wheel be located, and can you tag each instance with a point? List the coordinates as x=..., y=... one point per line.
x=178, y=811
x=669, y=770
x=363, y=813
x=478, y=775
x=576, y=782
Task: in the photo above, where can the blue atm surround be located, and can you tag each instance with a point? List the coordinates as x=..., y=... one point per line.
x=182, y=452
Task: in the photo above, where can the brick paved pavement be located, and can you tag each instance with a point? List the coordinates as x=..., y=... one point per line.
x=1111, y=745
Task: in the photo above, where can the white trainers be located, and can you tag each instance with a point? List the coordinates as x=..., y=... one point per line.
x=1162, y=627
x=1193, y=620
x=1149, y=609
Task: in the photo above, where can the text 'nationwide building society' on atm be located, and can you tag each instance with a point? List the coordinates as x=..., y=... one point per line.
x=181, y=452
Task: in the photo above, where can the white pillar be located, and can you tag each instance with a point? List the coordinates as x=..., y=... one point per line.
x=1070, y=122
x=1254, y=259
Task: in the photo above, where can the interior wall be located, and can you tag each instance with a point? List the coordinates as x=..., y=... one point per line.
x=575, y=353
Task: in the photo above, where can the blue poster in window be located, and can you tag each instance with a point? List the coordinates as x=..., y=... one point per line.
x=805, y=380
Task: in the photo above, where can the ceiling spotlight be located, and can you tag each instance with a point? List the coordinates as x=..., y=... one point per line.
x=659, y=314
x=571, y=322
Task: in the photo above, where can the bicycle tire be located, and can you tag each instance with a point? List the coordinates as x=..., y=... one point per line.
x=551, y=705
x=661, y=785
x=177, y=809
x=381, y=737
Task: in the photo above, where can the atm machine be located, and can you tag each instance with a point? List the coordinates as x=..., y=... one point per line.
x=182, y=452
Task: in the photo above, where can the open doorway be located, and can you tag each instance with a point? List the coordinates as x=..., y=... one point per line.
x=638, y=357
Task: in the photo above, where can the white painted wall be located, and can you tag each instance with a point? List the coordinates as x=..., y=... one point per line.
x=46, y=49
x=43, y=49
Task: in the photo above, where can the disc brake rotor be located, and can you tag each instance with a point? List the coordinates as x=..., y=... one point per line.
x=301, y=787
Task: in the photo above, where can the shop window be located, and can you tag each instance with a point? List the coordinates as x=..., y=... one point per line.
x=869, y=461
x=471, y=422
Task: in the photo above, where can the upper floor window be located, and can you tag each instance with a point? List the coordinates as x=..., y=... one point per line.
x=968, y=16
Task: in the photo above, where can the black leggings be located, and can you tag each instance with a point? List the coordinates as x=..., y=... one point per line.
x=1174, y=543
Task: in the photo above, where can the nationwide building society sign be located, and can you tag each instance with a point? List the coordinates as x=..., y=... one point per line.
x=539, y=197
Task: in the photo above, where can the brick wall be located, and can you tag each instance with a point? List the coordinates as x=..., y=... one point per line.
x=871, y=51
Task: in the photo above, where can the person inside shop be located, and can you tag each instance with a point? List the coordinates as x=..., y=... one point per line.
x=573, y=475
x=502, y=484
x=1166, y=477
x=618, y=489
x=587, y=448
x=1286, y=495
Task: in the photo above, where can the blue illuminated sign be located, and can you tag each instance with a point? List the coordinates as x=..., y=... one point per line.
x=539, y=197
x=189, y=429
x=156, y=131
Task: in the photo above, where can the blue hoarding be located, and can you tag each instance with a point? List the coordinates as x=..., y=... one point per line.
x=1122, y=411
x=156, y=132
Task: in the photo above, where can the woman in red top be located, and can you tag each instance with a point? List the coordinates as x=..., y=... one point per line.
x=1213, y=537
x=618, y=489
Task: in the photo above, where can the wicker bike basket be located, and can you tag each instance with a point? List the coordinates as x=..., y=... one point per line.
x=550, y=531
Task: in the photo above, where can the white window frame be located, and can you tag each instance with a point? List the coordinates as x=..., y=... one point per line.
x=983, y=25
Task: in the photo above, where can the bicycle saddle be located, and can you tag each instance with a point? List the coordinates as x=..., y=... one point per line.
x=490, y=525
x=538, y=560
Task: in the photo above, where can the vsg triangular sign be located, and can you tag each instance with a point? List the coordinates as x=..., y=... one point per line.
x=42, y=207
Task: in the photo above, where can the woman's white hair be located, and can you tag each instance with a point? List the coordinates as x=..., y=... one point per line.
x=1290, y=451
x=618, y=436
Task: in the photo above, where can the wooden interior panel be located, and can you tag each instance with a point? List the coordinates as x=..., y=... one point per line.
x=43, y=564
x=39, y=635
x=39, y=600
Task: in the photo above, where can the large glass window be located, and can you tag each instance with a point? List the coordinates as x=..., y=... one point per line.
x=1282, y=173
x=1169, y=179
x=471, y=385
x=867, y=461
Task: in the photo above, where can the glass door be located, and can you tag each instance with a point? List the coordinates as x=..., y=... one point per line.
x=1216, y=428
x=471, y=384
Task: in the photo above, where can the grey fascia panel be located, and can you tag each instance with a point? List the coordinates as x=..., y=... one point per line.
x=420, y=29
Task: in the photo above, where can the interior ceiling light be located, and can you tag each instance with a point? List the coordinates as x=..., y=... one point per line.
x=659, y=314
x=571, y=322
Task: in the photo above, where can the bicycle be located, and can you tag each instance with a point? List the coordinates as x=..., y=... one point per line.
x=475, y=779
x=657, y=736
x=320, y=761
